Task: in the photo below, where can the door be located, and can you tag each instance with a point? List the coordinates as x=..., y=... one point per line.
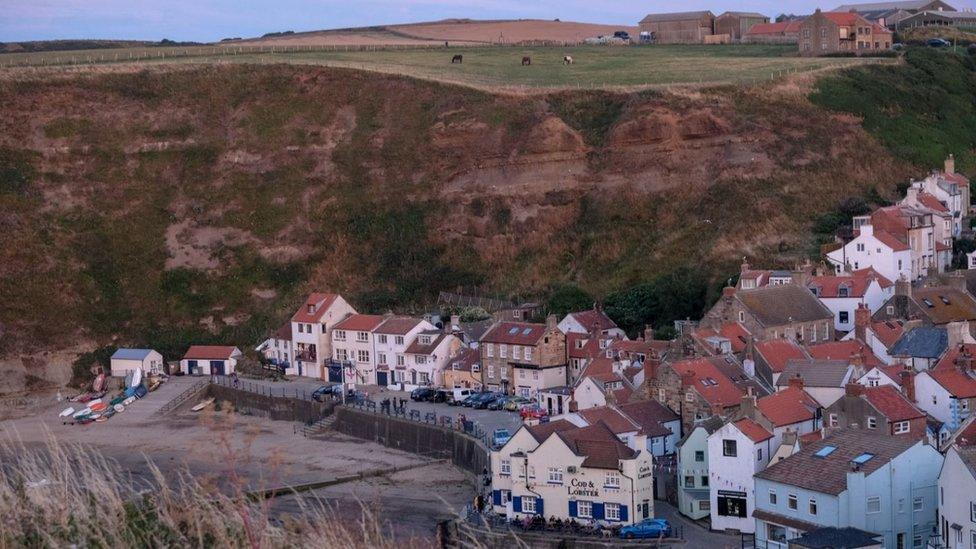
x=216, y=367
x=335, y=374
x=192, y=367
x=382, y=379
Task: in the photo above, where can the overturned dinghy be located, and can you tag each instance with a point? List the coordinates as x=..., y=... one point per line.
x=202, y=405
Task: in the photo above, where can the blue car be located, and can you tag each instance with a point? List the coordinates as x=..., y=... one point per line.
x=647, y=528
x=500, y=437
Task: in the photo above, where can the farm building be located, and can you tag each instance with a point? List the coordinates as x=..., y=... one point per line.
x=690, y=27
x=735, y=24
x=938, y=19
x=890, y=14
x=786, y=32
x=124, y=361
x=208, y=360
x=830, y=32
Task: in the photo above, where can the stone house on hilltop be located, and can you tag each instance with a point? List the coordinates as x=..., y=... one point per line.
x=772, y=312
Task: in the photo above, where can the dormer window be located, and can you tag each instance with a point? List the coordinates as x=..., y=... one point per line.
x=311, y=308
x=843, y=291
x=425, y=340
x=815, y=291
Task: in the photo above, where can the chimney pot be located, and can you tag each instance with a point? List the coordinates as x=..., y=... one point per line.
x=853, y=389
x=796, y=381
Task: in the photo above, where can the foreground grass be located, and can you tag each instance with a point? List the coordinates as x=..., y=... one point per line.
x=494, y=67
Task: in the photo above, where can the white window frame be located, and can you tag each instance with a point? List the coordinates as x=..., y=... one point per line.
x=489, y=350
x=872, y=422
x=505, y=467
x=792, y=502
x=872, y=500
x=612, y=480
x=555, y=475
x=902, y=427
x=813, y=508
x=362, y=356
x=362, y=337
x=528, y=504
x=339, y=335
x=584, y=509
x=502, y=350
x=382, y=339
x=918, y=504
x=527, y=353
x=773, y=498
x=611, y=511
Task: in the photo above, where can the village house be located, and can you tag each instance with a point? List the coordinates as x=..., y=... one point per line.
x=736, y=452
x=879, y=336
x=557, y=400
x=727, y=338
x=951, y=189
x=659, y=423
x=391, y=339
x=881, y=409
x=791, y=410
x=464, y=370
x=892, y=14
x=691, y=27
x=878, y=249
x=694, y=496
x=785, y=32
x=521, y=358
x=277, y=351
x=580, y=350
x=879, y=376
x=311, y=330
x=945, y=226
x=948, y=391
x=853, y=478
x=353, y=343
x=843, y=294
x=601, y=384
x=770, y=358
x=773, y=312
x=947, y=306
x=920, y=348
x=701, y=387
x=210, y=360
x=956, y=520
x=593, y=322
x=125, y=361
x=934, y=18
x=824, y=380
x=427, y=358
x=825, y=33
x=855, y=351
x=582, y=473
x=735, y=24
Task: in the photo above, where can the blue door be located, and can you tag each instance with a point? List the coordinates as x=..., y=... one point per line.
x=382, y=378
x=192, y=367
x=216, y=367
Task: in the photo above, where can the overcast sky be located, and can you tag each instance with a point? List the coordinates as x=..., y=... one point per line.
x=211, y=20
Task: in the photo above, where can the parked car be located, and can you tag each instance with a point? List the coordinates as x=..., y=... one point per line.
x=421, y=394
x=623, y=35
x=483, y=402
x=500, y=436
x=440, y=395
x=458, y=396
x=325, y=392
x=515, y=403
x=533, y=411
x=938, y=43
x=647, y=528
x=469, y=402
x=499, y=403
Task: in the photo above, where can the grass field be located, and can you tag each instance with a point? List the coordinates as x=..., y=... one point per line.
x=500, y=67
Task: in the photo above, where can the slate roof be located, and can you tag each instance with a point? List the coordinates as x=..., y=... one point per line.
x=651, y=415
x=922, y=342
x=398, y=325
x=828, y=475
x=319, y=302
x=474, y=330
x=890, y=402
x=783, y=304
x=514, y=333
x=777, y=352
x=675, y=16
x=816, y=373
x=131, y=354
x=601, y=448
x=837, y=538
x=611, y=417
x=899, y=5
x=789, y=406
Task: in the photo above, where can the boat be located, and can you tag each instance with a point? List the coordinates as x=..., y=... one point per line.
x=84, y=412
x=129, y=400
x=101, y=419
x=118, y=408
x=136, y=378
x=67, y=412
x=154, y=385
x=99, y=383
x=130, y=393
x=108, y=413
x=116, y=400
x=141, y=391
x=203, y=405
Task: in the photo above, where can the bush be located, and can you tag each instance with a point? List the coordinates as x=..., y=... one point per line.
x=567, y=299
x=81, y=368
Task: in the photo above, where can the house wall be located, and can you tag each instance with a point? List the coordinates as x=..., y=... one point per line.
x=874, y=297
x=957, y=491
x=735, y=25
x=391, y=352
x=934, y=400
x=320, y=336
x=888, y=263
x=728, y=310
x=347, y=345
x=827, y=506
x=588, y=394
x=688, y=504
x=529, y=381
x=688, y=31
x=204, y=365
x=734, y=474
x=153, y=363
x=825, y=396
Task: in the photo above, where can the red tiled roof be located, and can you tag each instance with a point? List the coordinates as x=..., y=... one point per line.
x=953, y=354
x=465, y=359
x=714, y=386
x=843, y=18
x=601, y=447
x=359, y=323
x=751, y=429
x=954, y=380
x=616, y=421
x=857, y=283
x=397, y=325
x=930, y=201
x=789, y=406
x=319, y=302
x=769, y=28
x=844, y=350
x=418, y=348
x=878, y=29
x=515, y=333
x=890, y=241
x=956, y=178
x=811, y=437
x=736, y=334
x=542, y=431
x=284, y=333
x=777, y=352
x=888, y=332
x=209, y=352
x=890, y=402
x=593, y=321
x=967, y=437
x=590, y=346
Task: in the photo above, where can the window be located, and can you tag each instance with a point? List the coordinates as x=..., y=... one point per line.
x=400, y=360
x=381, y=358
x=902, y=427
x=503, y=351
x=972, y=512
x=728, y=448
x=705, y=505
x=362, y=356
x=917, y=540
x=516, y=352
x=362, y=337
x=843, y=317
x=872, y=422
x=424, y=339
x=689, y=396
x=506, y=496
x=611, y=511
x=823, y=33
x=421, y=359
x=489, y=350
x=772, y=497
x=340, y=335
x=901, y=505
x=759, y=454
x=555, y=475
x=382, y=339
x=704, y=480
x=860, y=247
x=503, y=371
x=833, y=420
x=527, y=353
x=791, y=501
x=918, y=503
x=528, y=504
x=689, y=481
x=813, y=506
x=584, y=509
x=843, y=291
x=398, y=340
x=506, y=467
x=476, y=368
x=341, y=354
x=964, y=405
x=874, y=504
x=699, y=455
x=612, y=480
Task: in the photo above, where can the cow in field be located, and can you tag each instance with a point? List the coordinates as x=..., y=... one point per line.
x=526, y=61
x=457, y=59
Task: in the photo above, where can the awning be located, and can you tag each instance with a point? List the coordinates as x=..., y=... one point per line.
x=800, y=525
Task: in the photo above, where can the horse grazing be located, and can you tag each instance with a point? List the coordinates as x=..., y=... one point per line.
x=526, y=61
x=457, y=59
x=567, y=60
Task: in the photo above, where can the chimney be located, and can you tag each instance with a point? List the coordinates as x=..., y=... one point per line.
x=908, y=384
x=912, y=193
x=744, y=267
x=455, y=323
x=796, y=381
x=747, y=406
x=728, y=293
x=648, y=332
x=903, y=287
x=551, y=322
x=950, y=164
x=862, y=319
x=853, y=389
x=956, y=280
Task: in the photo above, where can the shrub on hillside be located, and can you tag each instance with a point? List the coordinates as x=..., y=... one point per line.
x=567, y=299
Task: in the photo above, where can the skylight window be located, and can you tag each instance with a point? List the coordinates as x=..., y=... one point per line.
x=944, y=299
x=825, y=451
x=512, y=331
x=928, y=303
x=863, y=458
x=527, y=331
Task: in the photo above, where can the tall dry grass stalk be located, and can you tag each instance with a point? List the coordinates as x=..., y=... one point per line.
x=60, y=495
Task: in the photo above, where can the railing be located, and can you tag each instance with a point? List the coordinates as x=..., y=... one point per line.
x=261, y=388
x=568, y=528
x=467, y=427
x=186, y=395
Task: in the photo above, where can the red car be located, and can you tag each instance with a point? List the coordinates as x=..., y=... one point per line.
x=533, y=411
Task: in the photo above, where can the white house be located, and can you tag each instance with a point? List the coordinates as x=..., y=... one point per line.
x=879, y=336
x=586, y=474
x=393, y=337
x=844, y=294
x=124, y=361
x=946, y=393
x=593, y=322
x=694, y=499
x=879, y=376
x=880, y=250
x=426, y=358
x=971, y=259
x=957, y=499
x=353, y=342
x=217, y=360
x=950, y=189
x=311, y=329
x=736, y=452
x=277, y=349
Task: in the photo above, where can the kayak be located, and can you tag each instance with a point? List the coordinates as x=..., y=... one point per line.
x=67, y=412
x=202, y=405
x=84, y=412
x=136, y=378
x=116, y=400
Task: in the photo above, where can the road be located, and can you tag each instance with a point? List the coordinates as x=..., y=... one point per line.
x=695, y=535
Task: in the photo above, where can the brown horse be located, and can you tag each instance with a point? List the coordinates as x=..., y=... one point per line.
x=457, y=59
x=526, y=61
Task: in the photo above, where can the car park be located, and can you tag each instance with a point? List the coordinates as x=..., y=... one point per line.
x=533, y=411
x=458, y=395
x=514, y=403
x=647, y=528
x=500, y=436
x=468, y=402
x=483, y=402
x=422, y=394
x=499, y=403
x=440, y=395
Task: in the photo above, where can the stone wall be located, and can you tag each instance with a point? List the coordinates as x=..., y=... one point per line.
x=273, y=407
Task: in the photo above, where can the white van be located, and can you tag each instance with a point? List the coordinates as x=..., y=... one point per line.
x=460, y=394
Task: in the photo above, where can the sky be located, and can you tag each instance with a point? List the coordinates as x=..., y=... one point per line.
x=211, y=20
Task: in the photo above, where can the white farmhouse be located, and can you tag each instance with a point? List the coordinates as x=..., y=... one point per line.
x=878, y=249
x=736, y=452
x=124, y=361
x=311, y=329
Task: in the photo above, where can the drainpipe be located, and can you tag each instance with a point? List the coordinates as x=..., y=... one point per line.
x=533, y=492
x=633, y=507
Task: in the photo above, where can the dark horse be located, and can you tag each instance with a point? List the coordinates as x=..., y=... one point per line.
x=457, y=59
x=526, y=61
